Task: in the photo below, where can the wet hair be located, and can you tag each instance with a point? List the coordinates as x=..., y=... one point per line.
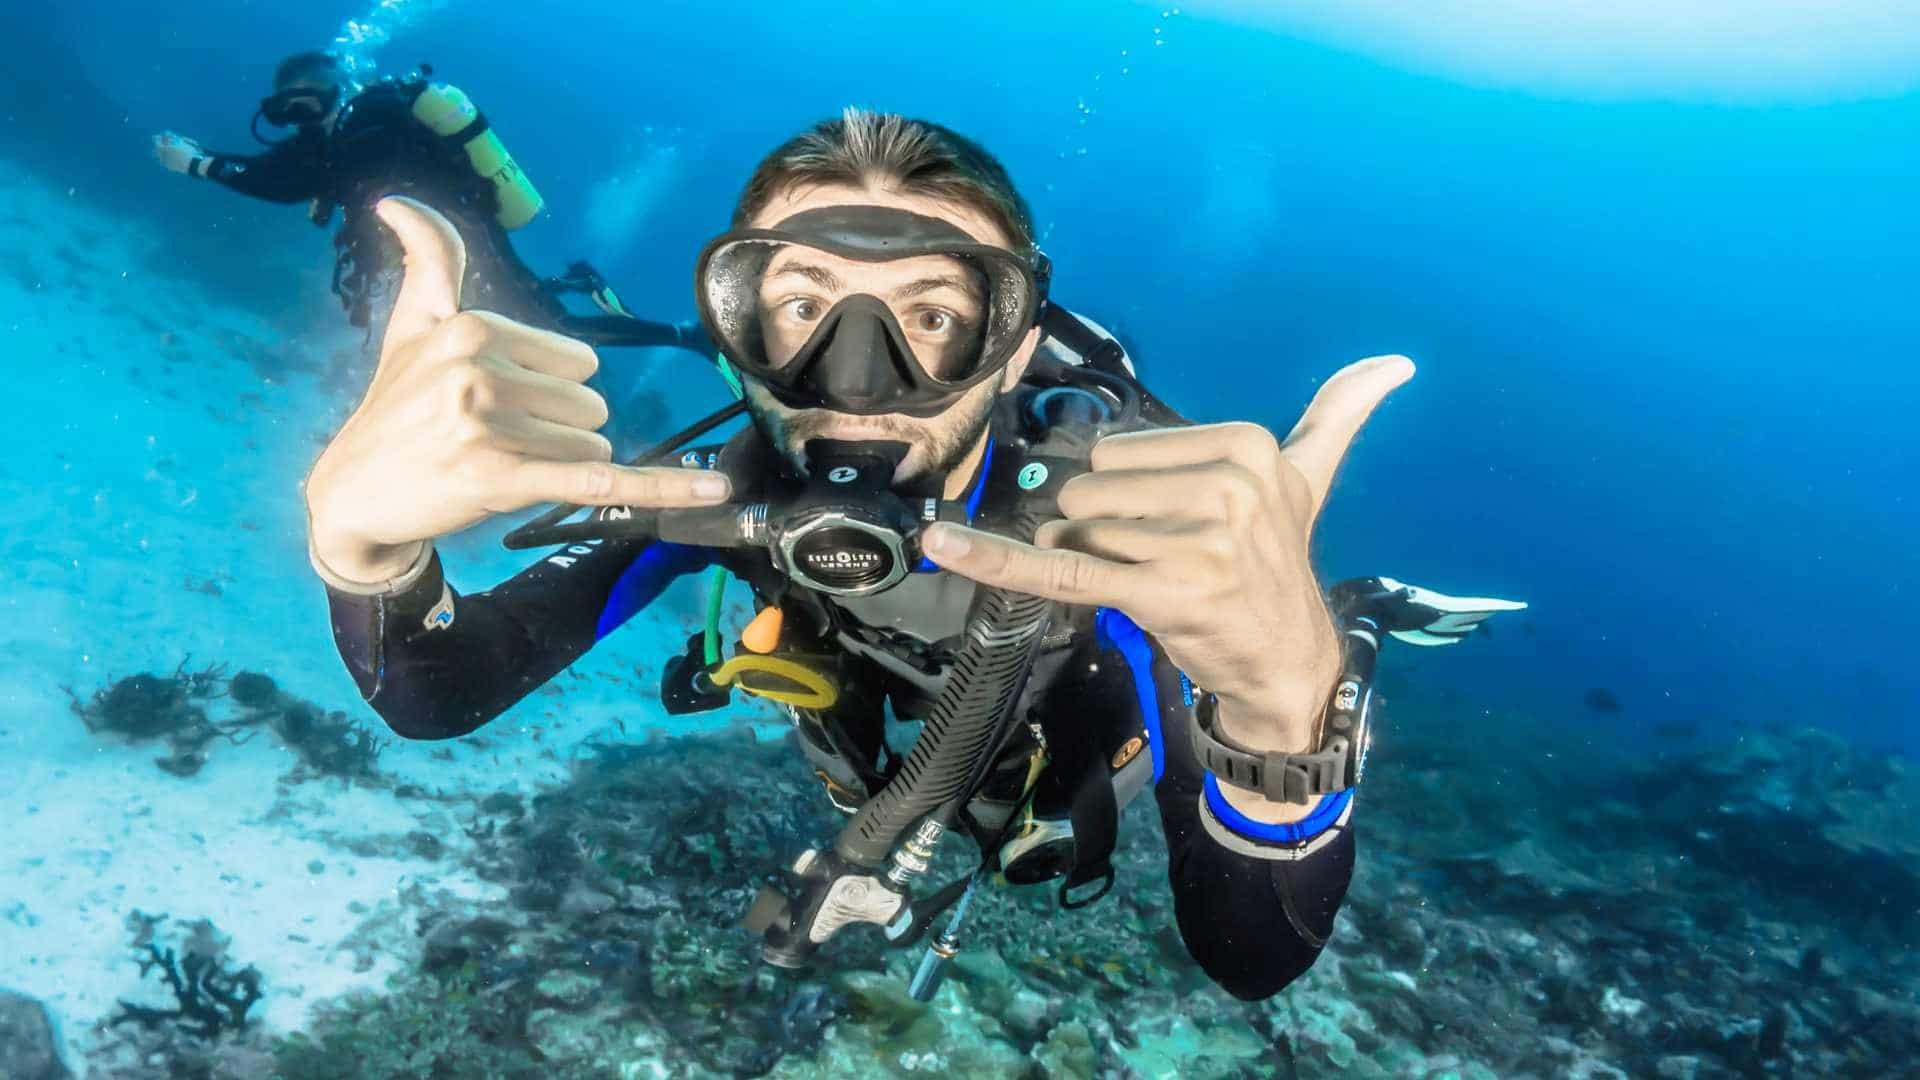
x=917, y=157
x=309, y=67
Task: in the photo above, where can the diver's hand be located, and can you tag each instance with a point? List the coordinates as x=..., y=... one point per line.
x=177, y=153
x=469, y=414
x=1200, y=535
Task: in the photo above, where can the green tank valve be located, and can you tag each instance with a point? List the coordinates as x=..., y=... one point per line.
x=448, y=112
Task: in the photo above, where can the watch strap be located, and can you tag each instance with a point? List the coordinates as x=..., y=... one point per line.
x=1281, y=777
x=1300, y=778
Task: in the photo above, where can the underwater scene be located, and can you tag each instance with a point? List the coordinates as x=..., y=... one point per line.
x=1218, y=540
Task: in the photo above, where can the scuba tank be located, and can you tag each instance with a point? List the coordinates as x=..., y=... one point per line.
x=448, y=112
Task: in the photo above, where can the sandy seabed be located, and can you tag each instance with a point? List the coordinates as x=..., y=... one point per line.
x=153, y=444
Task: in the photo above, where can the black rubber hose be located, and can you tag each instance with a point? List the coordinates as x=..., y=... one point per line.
x=1002, y=636
x=982, y=688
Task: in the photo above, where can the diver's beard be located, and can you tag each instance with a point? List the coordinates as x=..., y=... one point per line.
x=937, y=444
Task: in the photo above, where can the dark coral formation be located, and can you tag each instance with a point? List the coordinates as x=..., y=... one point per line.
x=211, y=998
x=329, y=744
x=143, y=707
x=252, y=690
x=1638, y=922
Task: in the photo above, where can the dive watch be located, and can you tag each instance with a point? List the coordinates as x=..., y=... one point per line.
x=1344, y=734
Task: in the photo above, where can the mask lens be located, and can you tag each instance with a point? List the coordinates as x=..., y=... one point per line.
x=297, y=105
x=955, y=311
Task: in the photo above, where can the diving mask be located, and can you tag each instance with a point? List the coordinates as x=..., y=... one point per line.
x=867, y=309
x=299, y=105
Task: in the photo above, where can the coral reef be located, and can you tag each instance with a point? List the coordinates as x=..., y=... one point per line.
x=143, y=707
x=204, y=1032
x=209, y=999
x=1664, y=914
x=1527, y=928
x=329, y=744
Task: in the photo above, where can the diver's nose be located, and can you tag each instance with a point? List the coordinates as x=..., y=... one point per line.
x=861, y=365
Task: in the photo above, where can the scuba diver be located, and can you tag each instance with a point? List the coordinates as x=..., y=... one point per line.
x=351, y=145
x=955, y=503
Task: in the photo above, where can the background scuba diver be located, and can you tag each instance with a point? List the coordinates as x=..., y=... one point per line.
x=1199, y=533
x=351, y=145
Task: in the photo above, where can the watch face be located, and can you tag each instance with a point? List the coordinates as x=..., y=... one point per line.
x=1346, y=696
x=1363, y=738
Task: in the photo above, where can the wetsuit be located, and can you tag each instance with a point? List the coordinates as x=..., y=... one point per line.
x=1254, y=903
x=377, y=148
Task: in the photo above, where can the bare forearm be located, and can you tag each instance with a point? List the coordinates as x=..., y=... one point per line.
x=1283, y=717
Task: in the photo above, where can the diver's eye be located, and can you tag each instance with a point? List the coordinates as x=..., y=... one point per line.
x=802, y=309
x=933, y=321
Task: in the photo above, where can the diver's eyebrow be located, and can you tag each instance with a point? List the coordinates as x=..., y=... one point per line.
x=927, y=285
x=819, y=275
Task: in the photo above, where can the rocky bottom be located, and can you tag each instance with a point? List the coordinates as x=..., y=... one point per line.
x=1737, y=910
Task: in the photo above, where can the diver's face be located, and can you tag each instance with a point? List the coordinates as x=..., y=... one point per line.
x=312, y=116
x=939, y=301
x=940, y=306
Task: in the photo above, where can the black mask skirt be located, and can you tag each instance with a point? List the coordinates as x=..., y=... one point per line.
x=781, y=304
x=299, y=105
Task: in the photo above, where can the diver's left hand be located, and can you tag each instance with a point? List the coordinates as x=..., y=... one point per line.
x=1200, y=535
x=176, y=152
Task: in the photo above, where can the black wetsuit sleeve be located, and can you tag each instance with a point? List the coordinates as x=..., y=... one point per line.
x=616, y=331
x=1254, y=913
x=435, y=664
x=289, y=173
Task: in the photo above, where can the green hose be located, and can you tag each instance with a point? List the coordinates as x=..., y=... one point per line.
x=727, y=373
x=716, y=592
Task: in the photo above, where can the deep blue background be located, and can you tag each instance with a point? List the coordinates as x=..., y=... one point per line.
x=1667, y=350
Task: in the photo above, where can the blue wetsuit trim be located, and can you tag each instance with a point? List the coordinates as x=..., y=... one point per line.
x=1114, y=629
x=1324, y=815
x=928, y=566
x=646, y=579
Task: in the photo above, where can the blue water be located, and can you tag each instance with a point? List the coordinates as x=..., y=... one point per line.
x=1664, y=393
x=1666, y=340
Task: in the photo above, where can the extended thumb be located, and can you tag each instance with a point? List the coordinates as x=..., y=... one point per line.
x=435, y=264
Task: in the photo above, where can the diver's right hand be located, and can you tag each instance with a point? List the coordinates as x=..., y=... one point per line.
x=469, y=414
x=177, y=153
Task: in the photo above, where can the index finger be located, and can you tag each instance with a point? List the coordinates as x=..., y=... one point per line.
x=1071, y=577
x=1319, y=441
x=600, y=483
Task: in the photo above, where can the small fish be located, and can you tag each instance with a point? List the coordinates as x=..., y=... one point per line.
x=1602, y=700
